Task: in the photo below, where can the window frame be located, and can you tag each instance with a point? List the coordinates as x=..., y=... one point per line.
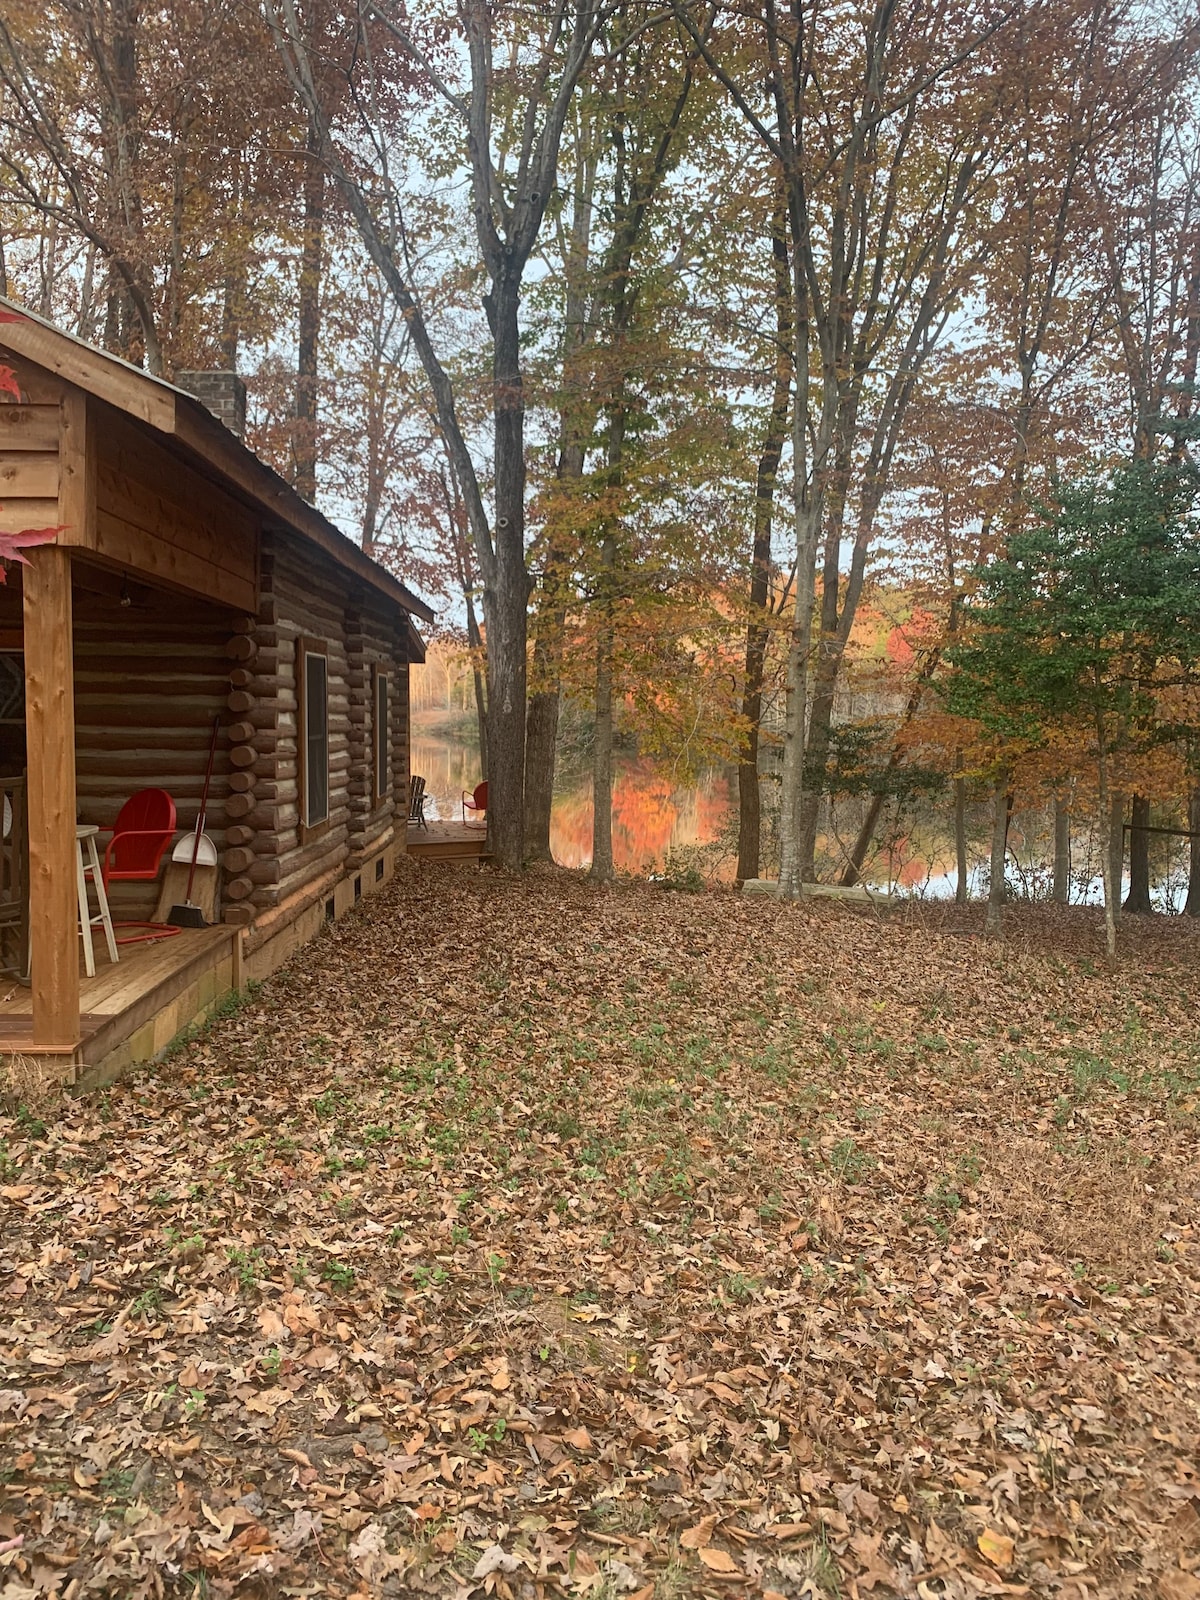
x=381, y=735
x=306, y=647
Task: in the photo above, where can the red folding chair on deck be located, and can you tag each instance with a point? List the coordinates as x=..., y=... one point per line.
x=142, y=834
x=476, y=801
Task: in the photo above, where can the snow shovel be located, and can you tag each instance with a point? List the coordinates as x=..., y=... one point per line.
x=188, y=915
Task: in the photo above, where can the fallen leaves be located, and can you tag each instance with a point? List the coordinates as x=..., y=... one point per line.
x=997, y=1548
x=666, y=1245
x=718, y=1561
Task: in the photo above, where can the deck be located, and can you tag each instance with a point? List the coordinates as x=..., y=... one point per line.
x=132, y=1011
x=447, y=841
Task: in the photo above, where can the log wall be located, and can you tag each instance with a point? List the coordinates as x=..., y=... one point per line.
x=149, y=679
x=269, y=859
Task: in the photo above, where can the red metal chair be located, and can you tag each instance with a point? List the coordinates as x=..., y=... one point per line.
x=476, y=802
x=142, y=832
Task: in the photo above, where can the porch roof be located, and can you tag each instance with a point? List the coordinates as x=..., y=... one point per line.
x=198, y=436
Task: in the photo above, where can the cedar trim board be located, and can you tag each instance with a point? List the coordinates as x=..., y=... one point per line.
x=108, y=377
x=16, y=1035
x=201, y=439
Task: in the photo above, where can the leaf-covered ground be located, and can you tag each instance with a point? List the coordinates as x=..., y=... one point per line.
x=524, y=1238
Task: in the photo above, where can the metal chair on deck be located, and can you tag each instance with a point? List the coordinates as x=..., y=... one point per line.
x=476, y=801
x=145, y=826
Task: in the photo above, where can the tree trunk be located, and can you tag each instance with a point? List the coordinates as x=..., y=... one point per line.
x=550, y=620
x=1001, y=812
x=866, y=832
x=1138, y=899
x=757, y=630
x=1062, y=853
x=541, y=738
x=545, y=699
x=475, y=640
x=602, y=745
x=962, y=887
x=506, y=596
x=1192, y=904
x=1112, y=853
x=304, y=443
x=862, y=843
x=1116, y=845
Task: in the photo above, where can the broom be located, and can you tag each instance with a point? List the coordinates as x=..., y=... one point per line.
x=187, y=915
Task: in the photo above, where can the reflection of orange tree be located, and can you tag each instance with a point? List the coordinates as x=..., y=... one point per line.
x=650, y=815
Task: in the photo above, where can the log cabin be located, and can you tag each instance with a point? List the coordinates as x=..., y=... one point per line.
x=188, y=588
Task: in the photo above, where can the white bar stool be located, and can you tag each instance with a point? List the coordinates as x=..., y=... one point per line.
x=85, y=834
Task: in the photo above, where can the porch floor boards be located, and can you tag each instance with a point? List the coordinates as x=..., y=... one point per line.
x=119, y=998
x=447, y=841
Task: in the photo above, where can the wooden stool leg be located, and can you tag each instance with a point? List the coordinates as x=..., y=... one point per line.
x=102, y=898
x=85, y=913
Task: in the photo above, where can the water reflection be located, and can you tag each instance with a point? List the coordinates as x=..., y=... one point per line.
x=652, y=814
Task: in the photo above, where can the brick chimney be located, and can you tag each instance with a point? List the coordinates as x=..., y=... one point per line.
x=223, y=393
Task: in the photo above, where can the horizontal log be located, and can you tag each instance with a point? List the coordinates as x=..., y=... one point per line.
x=240, y=732
x=240, y=834
x=238, y=916
x=243, y=755
x=309, y=862
x=262, y=872
x=245, y=625
x=238, y=889
x=239, y=805
x=242, y=782
x=259, y=818
x=238, y=701
x=238, y=859
x=240, y=648
x=259, y=686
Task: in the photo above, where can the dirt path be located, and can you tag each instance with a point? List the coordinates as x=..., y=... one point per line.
x=523, y=1239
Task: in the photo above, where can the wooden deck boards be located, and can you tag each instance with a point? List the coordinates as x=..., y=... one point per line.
x=447, y=841
x=121, y=998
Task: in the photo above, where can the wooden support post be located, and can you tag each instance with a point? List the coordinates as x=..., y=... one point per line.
x=50, y=734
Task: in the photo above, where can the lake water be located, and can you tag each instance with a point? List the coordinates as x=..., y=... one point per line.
x=652, y=814
x=657, y=816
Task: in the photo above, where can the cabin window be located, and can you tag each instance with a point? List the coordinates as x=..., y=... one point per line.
x=381, y=744
x=313, y=696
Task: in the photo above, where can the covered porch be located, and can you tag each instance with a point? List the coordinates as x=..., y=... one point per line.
x=121, y=681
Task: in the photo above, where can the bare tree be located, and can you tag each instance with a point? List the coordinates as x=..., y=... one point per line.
x=510, y=124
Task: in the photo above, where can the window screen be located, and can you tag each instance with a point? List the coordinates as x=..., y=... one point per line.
x=382, y=740
x=316, y=738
